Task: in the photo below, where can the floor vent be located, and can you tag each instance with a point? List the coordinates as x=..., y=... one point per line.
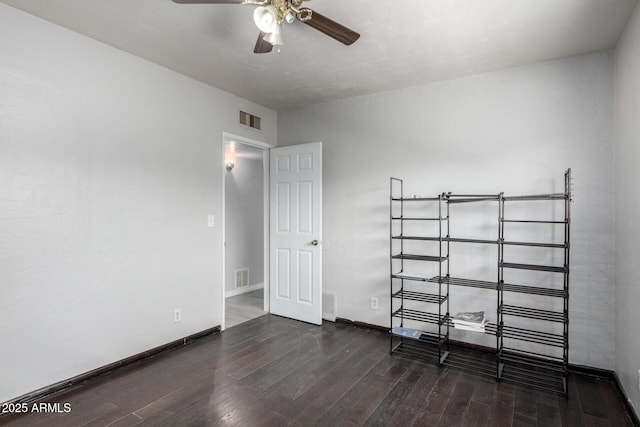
x=329, y=306
x=242, y=277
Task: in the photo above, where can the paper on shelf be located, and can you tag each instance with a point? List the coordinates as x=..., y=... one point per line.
x=470, y=328
x=475, y=318
x=406, y=332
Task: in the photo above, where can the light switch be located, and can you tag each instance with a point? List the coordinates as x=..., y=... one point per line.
x=211, y=221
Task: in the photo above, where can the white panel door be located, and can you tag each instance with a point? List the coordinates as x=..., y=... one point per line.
x=296, y=232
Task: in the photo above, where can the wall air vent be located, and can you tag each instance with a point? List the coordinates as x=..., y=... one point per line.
x=250, y=120
x=242, y=277
x=329, y=306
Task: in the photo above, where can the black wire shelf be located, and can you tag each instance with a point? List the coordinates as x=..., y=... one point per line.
x=538, y=245
x=530, y=335
x=463, y=240
x=551, y=196
x=419, y=296
x=534, y=290
x=417, y=218
x=426, y=338
x=535, y=267
x=420, y=316
x=426, y=238
x=416, y=350
x=415, y=199
x=419, y=277
x=540, y=379
x=414, y=257
x=468, y=198
x=456, y=281
x=446, y=239
x=533, y=313
x=473, y=361
x=534, y=221
x=529, y=358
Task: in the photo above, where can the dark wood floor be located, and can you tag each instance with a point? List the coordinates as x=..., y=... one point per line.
x=272, y=371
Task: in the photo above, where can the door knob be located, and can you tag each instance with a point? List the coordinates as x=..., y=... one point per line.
x=314, y=242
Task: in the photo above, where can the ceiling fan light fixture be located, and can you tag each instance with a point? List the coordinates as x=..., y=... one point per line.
x=274, y=37
x=269, y=15
x=266, y=18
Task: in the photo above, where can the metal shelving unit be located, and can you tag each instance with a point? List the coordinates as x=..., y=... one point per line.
x=418, y=302
x=538, y=354
x=482, y=363
x=531, y=338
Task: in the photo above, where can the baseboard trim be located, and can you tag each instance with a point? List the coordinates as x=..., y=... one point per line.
x=329, y=317
x=358, y=324
x=52, y=389
x=627, y=403
x=577, y=369
x=243, y=290
x=613, y=377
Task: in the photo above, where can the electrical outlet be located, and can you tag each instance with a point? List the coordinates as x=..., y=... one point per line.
x=374, y=303
x=177, y=315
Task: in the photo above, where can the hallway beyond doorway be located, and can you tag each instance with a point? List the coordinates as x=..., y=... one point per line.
x=244, y=307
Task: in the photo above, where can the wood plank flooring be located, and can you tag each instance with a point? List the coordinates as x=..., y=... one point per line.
x=272, y=371
x=244, y=307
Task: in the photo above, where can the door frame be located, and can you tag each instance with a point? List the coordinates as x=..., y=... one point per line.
x=265, y=147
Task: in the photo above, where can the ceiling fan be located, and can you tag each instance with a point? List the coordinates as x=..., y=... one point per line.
x=270, y=14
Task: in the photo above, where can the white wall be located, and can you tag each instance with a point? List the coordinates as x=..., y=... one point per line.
x=244, y=217
x=109, y=166
x=514, y=130
x=627, y=150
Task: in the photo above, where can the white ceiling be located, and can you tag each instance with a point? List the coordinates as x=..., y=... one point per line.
x=403, y=42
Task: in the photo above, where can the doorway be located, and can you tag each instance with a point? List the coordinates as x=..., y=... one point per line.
x=245, y=228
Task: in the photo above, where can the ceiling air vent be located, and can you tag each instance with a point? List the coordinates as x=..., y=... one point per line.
x=250, y=120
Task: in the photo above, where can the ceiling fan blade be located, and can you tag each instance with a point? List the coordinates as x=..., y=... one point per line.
x=207, y=1
x=332, y=28
x=262, y=46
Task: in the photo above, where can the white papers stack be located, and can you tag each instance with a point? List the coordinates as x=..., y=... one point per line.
x=470, y=321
